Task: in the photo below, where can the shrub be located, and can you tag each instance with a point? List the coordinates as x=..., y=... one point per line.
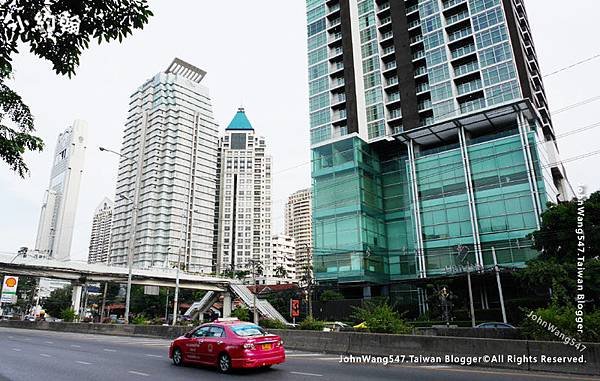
x=328, y=295
x=68, y=315
x=380, y=317
x=241, y=313
x=139, y=320
x=563, y=318
x=310, y=324
x=272, y=323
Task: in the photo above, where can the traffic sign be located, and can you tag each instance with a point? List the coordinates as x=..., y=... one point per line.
x=294, y=308
x=9, y=289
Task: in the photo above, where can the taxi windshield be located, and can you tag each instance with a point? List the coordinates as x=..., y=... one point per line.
x=246, y=330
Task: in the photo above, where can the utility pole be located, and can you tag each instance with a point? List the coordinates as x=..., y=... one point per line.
x=176, y=297
x=103, y=301
x=131, y=245
x=253, y=263
x=497, y=271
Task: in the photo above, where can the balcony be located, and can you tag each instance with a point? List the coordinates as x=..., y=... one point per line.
x=385, y=21
x=395, y=114
x=457, y=18
x=337, y=83
x=334, y=23
x=466, y=69
x=338, y=51
x=469, y=87
x=393, y=97
x=387, y=51
x=333, y=9
x=383, y=7
x=339, y=116
x=451, y=3
x=460, y=34
x=422, y=106
x=416, y=39
x=338, y=98
x=412, y=9
x=335, y=37
x=418, y=55
x=473, y=105
x=422, y=87
x=391, y=81
x=389, y=66
x=386, y=36
x=414, y=24
x=463, y=51
x=421, y=70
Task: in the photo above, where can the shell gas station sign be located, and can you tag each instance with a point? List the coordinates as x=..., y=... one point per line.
x=9, y=289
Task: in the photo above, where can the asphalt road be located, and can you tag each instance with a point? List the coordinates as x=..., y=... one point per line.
x=45, y=355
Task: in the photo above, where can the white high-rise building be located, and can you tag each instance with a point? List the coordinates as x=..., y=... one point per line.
x=283, y=251
x=298, y=224
x=57, y=219
x=244, y=198
x=167, y=173
x=100, y=238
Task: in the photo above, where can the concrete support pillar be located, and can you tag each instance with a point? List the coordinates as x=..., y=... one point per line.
x=76, y=299
x=227, y=301
x=421, y=266
x=367, y=292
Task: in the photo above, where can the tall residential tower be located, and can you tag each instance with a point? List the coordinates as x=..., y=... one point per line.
x=167, y=173
x=431, y=137
x=298, y=224
x=100, y=237
x=57, y=219
x=244, y=198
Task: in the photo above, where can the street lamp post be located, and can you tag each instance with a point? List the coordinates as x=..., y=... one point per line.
x=131, y=244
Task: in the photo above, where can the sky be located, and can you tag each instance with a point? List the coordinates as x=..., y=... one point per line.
x=255, y=56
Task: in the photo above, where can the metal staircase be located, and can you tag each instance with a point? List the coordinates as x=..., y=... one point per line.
x=242, y=291
x=203, y=305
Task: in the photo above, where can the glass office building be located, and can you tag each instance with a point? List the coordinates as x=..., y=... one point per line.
x=430, y=137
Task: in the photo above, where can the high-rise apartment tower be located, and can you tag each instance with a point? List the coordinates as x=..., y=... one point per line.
x=167, y=174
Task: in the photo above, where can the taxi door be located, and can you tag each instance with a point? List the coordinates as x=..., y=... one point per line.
x=193, y=346
x=214, y=344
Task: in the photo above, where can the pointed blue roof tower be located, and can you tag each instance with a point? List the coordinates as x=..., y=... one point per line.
x=240, y=122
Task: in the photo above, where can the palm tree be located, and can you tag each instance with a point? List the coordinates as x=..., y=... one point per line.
x=281, y=272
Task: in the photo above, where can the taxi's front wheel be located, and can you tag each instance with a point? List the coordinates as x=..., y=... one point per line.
x=177, y=357
x=224, y=363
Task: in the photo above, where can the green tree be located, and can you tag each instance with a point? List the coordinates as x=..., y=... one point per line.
x=328, y=295
x=58, y=31
x=58, y=301
x=380, y=317
x=557, y=241
x=241, y=313
x=281, y=272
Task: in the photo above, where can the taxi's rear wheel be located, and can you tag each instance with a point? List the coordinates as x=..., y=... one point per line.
x=177, y=357
x=224, y=363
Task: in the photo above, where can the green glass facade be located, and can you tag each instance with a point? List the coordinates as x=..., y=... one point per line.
x=377, y=211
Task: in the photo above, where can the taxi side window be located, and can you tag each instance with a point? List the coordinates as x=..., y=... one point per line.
x=216, y=332
x=201, y=332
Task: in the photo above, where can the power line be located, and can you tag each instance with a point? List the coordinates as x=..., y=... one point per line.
x=572, y=66
x=578, y=104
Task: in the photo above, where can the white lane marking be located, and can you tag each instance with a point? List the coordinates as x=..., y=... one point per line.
x=138, y=373
x=75, y=346
x=303, y=355
x=83, y=363
x=27, y=339
x=44, y=355
x=109, y=350
x=48, y=342
x=307, y=374
x=16, y=349
x=10, y=337
x=329, y=358
x=157, y=356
